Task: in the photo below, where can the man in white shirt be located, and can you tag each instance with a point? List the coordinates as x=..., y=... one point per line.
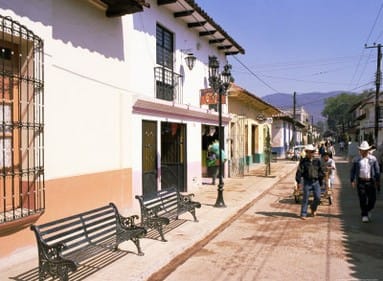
x=365, y=176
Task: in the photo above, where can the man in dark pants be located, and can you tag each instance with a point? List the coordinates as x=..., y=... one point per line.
x=365, y=176
x=311, y=171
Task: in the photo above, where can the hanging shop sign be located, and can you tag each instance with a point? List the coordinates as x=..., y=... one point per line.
x=209, y=97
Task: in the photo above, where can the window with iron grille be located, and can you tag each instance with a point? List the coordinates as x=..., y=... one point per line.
x=164, y=39
x=21, y=122
x=164, y=75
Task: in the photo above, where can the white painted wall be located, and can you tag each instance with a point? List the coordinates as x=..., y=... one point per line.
x=86, y=91
x=141, y=27
x=95, y=68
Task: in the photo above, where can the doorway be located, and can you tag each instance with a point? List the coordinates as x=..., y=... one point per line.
x=149, y=158
x=173, y=156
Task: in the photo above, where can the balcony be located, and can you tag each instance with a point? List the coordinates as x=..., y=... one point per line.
x=168, y=85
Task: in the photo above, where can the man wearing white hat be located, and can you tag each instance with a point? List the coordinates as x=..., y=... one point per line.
x=311, y=170
x=365, y=176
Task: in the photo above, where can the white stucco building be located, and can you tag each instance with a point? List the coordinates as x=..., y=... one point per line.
x=109, y=104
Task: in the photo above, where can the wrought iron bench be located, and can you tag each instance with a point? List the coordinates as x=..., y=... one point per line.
x=165, y=206
x=64, y=243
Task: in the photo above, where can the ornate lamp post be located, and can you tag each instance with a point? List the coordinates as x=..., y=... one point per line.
x=220, y=83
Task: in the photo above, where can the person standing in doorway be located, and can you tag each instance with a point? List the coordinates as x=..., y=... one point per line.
x=309, y=176
x=213, y=160
x=365, y=177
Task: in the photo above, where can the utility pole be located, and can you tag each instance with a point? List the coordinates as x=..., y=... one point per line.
x=294, y=106
x=312, y=129
x=377, y=83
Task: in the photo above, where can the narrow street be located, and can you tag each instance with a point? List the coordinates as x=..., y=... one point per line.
x=269, y=241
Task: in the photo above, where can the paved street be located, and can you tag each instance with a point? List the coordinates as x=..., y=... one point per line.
x=258, y=236
x=268, y=241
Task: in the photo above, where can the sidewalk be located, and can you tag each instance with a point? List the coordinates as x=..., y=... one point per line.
x=238, y=194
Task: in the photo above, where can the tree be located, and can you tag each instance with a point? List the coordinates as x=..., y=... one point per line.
x=337, y=110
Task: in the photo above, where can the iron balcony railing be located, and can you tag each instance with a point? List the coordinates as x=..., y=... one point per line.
x=168, y=85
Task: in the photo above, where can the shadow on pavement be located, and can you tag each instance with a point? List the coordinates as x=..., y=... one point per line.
x=278, y=214
x=363, y=241
x=90, y=267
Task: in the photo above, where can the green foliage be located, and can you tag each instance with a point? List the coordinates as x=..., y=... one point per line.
x=338, y=110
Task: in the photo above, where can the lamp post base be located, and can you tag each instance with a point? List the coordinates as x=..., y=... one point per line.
x=220, y=203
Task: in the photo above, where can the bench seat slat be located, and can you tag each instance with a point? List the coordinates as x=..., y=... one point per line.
x=73, y=217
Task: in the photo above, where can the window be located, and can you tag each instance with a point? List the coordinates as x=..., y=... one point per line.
x=164, y=49
x=21, y=123
x=167, y=81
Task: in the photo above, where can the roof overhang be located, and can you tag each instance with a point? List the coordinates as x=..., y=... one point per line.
x=237, y=93
x=187, y=11
x=288, y=118
x=118, y=8
x=194, y=17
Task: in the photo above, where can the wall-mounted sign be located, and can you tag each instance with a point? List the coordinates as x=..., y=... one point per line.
x=260, y=117
x=209, y=97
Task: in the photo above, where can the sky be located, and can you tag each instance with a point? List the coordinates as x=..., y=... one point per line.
x=301, y=46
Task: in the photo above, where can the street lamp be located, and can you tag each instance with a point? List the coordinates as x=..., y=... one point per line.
x=190, y=60
x=220, y=83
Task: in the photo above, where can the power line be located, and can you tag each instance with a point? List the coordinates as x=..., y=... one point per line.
x=360, y=59
x=373, y=26
x=301, y=80
x=299, y=64
x=255, y=75
x=311, y=63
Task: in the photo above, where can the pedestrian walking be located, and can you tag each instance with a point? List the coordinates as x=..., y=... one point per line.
x=365, y=177
x=330, y=149
x=341, y=146
x=309, y=177
x=322, y=149
x=329, y=168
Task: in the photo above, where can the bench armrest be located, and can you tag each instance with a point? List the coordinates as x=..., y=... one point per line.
x=186, y=197
x=50, y=257
x=49, y=252
x=128, y=222
x=52, y=251
x=187, y=202
x=153, y=212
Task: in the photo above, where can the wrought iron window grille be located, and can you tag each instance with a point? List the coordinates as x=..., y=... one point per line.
x=22, y=191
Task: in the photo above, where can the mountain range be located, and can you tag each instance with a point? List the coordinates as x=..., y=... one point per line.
x=313, y=102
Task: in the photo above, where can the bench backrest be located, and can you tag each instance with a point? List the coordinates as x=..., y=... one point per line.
x=165, y=202
x=80, y=230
